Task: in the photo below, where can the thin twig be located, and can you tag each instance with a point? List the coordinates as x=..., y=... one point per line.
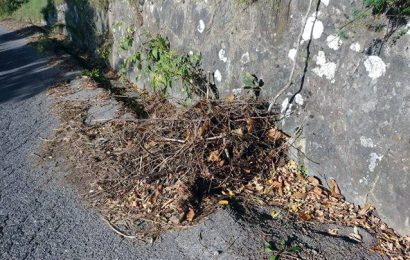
x=173, y=140
x=215, y=137
x=116, y=230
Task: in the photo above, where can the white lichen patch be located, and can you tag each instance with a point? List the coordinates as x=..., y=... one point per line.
x=292, y=54
x=218, y=76
x=366, y=142
x=313, y=28
x=222, y=55
x=374, y=160
x=325, y=2
x=334, y=42
x=355, y=47
x=375, y=67
x=325, y=69
x=201, y=26
x=299, y=99
x=245, y=58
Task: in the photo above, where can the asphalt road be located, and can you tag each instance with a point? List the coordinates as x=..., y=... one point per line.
x=41, y=217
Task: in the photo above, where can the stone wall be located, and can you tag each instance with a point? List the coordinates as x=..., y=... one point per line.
x=349, y=107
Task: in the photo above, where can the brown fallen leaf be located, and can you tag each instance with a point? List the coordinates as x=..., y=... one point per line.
x=277, y=185
x=407, y=241
x=293, y=207
x=334, y=188
x=230, y=98
x=275, y=213
x=190, y=215
x=333, y=231
x=319, y=213
x=273, y=134
x=365, y=209
x=214, y=156
x=299, y=195
x=203, y=129
x=150, y=145
x=355, y=235
x=238, y=132
x=318, y=191
x=305, y=216
x=250, y=123
x=223, y=202
x=133, y=204
x=314, y=180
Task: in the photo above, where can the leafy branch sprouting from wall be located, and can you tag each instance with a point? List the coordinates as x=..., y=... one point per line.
x=163, y=67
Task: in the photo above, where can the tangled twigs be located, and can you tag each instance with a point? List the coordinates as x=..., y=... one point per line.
x=174, y=171
x=151, y=175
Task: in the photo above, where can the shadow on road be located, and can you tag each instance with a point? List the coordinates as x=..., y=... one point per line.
x=19, y=34
x=23, y=72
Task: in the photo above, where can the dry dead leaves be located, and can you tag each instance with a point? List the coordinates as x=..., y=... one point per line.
x=309, y=200
x=171, y=171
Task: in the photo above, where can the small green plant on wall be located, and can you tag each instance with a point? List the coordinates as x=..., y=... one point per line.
x=162, y=66
x=128, y=40
x=395, y=7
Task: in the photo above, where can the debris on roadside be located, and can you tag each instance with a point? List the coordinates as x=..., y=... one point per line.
x=169, y=167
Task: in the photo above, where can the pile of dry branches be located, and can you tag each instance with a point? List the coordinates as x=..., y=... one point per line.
x=176, y=165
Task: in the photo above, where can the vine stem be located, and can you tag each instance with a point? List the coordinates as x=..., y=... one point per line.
x=289, y=83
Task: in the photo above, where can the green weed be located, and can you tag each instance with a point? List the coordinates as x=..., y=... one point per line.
x=163, y=66
x=284, y=247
